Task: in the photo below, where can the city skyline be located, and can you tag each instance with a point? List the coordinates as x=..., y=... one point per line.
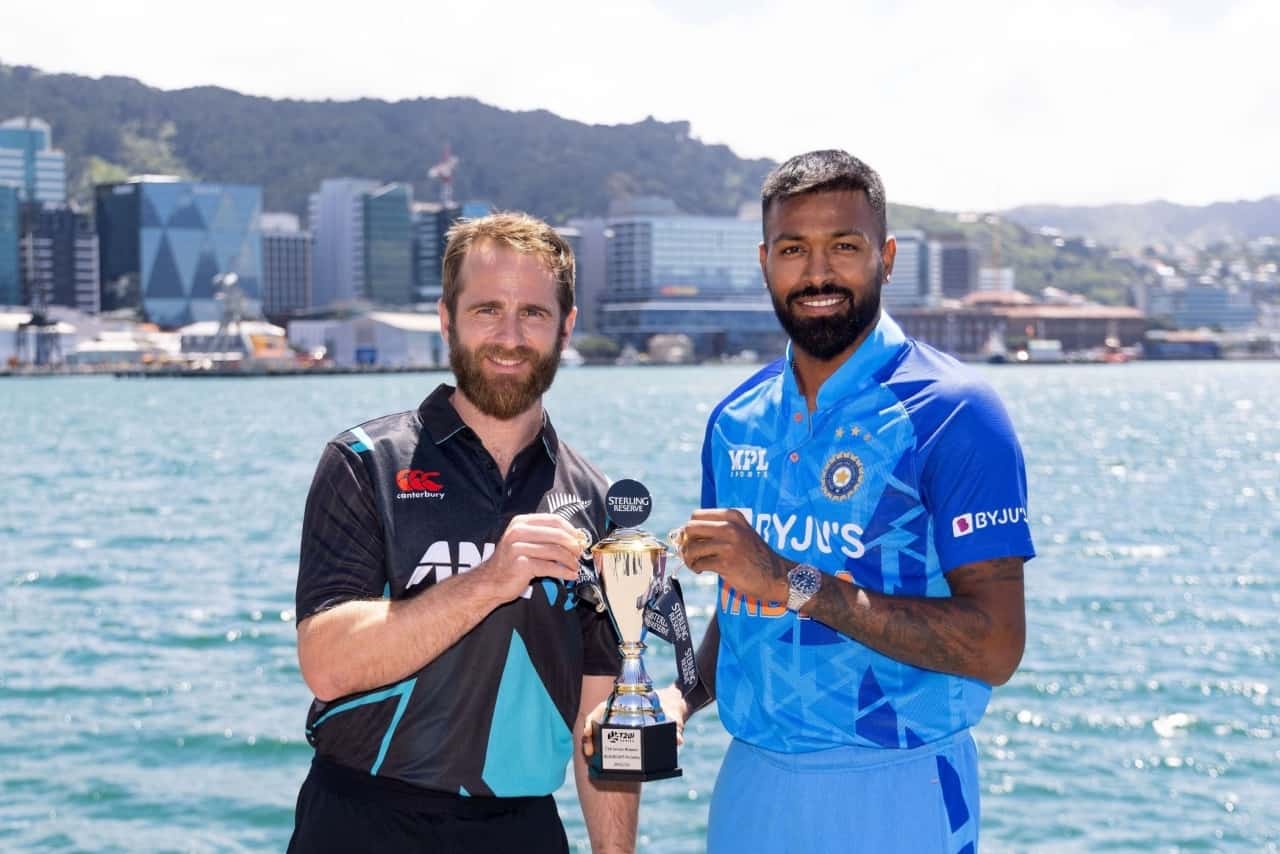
x=978, y=107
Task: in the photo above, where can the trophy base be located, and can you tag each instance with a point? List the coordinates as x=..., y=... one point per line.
x=634, y=753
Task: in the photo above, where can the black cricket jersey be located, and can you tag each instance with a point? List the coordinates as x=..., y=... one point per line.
x=403, y=502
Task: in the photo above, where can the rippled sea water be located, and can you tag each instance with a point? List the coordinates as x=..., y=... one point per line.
x=150, y=698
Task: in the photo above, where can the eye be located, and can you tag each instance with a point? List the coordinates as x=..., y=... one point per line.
x=846, y=246
x=789, y=250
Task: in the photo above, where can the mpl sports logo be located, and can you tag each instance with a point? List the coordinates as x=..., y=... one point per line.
x=415, y=483
x=966, y=523
x=748, y=461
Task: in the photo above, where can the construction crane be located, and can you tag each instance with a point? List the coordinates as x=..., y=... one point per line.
x=443, y=172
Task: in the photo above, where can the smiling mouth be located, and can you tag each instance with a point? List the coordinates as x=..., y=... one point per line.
x=506, y=363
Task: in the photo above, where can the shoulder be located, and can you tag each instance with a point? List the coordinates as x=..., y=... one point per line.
x=940, y=393
x=581, y=472
x=364, y=436
x=750, y=398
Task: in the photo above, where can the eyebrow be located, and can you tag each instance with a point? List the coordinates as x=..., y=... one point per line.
x=494, y=303
x=799, y=238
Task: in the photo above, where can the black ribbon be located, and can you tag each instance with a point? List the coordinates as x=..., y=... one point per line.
x=666, y=617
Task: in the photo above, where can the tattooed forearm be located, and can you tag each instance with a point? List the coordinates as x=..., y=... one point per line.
x=979, y=631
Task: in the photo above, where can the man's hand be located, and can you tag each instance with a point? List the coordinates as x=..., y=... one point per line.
x=536, y=545
x=672, y=706
x=723, y=542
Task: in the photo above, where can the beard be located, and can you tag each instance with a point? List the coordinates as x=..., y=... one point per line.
x=824, y=338
x=502, y=397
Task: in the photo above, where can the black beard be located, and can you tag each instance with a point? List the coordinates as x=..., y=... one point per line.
x=824, y=338
x=503, y=397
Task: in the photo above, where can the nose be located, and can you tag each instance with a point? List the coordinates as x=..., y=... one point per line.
x=509, y=332
x=817, y=268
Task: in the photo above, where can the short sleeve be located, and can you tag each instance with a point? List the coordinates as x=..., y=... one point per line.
x=342, y=553
x=600, y=655
x=974, y=482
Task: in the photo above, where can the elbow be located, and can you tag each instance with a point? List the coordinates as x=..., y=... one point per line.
x=317, y=672
x=1004, y=661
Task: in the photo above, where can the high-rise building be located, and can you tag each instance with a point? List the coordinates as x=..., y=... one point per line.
x=431, y=224
x=953, y=266
x=163, y=242
x=908, y=287
x=10, y=227
x=29, y=161
x=336, y=218
x=388, y=245
x=693, y=275
x=589, y=253
x=286, y=265
x=58, y=253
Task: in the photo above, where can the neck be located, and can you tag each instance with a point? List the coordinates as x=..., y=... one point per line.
x=502, y=439
x=811, y=372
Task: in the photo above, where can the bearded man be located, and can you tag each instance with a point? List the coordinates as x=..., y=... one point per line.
x=438, y=625
x=865, y=508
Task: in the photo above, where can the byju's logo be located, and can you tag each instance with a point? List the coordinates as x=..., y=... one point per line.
x=415, y=483
x=748, y=461
x=967, y=523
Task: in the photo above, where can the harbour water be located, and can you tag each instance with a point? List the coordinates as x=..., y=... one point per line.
x=149, y=692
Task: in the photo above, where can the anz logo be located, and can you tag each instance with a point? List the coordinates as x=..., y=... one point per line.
x=437, y=562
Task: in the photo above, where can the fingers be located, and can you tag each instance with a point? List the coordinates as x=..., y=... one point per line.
x=546, y=528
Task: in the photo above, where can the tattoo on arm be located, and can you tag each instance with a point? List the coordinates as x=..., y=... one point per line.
x=978, y=631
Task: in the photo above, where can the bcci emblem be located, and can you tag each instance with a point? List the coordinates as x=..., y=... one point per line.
x=842, y=476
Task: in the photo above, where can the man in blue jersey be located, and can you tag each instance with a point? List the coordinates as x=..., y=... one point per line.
x=865, y=508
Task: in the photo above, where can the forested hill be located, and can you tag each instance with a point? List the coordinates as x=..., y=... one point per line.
x=111, y=127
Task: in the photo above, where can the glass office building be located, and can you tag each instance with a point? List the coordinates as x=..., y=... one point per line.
x=10, y=222
x=692, y=275
x=162, y=243
x=29, y=161
x=388, y=245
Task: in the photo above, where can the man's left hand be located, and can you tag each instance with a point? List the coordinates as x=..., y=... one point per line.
x=723, y=542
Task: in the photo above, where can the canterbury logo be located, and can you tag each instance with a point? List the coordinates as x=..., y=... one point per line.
x=565, y=505
x=414, y=480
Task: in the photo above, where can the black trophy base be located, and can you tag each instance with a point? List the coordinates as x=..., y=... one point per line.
x=634, y=753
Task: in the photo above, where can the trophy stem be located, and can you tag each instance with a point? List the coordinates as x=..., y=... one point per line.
x=633, y=702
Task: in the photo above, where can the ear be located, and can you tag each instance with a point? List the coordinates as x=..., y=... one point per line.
x=764, y=256
x=445, y=319
x=888, y=252
x=566, y=329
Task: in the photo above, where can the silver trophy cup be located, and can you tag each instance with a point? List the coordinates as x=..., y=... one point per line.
x=636, y=741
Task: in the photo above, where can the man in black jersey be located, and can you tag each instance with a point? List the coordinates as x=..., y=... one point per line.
x=438, y=623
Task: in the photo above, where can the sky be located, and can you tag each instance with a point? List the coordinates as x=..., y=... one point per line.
x=970, y=105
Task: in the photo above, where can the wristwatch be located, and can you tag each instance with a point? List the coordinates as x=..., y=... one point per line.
x=803, y=582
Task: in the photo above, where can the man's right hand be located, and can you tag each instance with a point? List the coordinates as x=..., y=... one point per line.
x=673, y=706
x=536, y=545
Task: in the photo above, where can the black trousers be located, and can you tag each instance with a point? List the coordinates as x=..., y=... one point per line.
x=347, y=811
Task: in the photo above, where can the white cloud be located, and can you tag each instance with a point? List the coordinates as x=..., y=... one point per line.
x=975, y=105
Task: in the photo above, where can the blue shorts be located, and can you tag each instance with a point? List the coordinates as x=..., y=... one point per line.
x=921, y=800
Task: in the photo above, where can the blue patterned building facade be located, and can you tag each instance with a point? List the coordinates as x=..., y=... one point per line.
x=164, y=242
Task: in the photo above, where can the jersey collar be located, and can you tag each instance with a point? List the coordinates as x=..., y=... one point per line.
x=883, y=344
x=442, y=422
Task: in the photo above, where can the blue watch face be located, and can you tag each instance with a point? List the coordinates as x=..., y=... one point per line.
x=804, y=580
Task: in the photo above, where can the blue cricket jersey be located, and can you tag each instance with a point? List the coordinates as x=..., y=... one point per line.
x=908, y=468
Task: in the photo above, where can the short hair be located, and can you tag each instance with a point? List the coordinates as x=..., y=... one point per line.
x=521, y=232
x=826, y=171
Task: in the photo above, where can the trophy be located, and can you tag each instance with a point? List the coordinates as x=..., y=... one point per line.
x=636, y=741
